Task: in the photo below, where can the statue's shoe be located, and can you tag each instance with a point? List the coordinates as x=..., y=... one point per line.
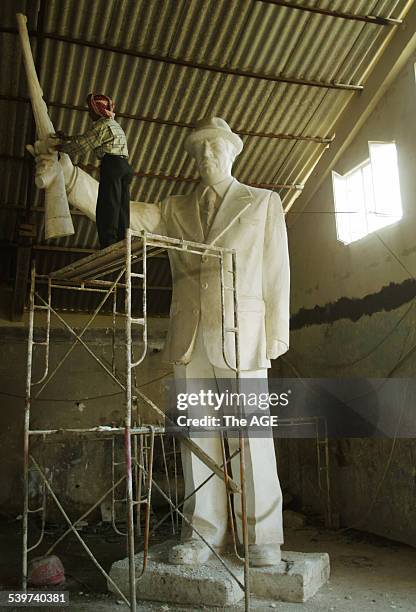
x=192, y=552
x=262, y=555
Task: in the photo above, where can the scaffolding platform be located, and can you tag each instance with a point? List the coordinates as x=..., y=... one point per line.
x=113, y=258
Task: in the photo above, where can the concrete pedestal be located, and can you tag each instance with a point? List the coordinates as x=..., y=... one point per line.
x=295, y=579
x=208, y=584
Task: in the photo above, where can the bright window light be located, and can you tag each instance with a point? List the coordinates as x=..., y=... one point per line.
x=368, y=197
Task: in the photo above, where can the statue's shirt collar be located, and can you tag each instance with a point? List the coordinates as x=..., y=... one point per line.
x=220, y=188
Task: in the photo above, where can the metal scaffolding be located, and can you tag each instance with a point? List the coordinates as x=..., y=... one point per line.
x=116, y=270
x=320, y=434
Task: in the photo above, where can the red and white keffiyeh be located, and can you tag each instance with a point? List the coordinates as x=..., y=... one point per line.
x=101, y=105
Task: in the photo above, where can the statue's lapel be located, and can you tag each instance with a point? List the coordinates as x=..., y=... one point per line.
x=235, y=200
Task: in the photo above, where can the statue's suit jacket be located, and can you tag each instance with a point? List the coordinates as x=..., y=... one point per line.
x=259, y=237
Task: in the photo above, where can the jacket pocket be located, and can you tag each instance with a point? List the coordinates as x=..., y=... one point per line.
x=251, y=304
x=248, y=221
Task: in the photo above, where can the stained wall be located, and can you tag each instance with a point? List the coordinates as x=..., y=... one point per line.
x=353, y=315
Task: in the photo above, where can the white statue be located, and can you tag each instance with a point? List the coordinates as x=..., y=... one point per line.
x=58, y=220
x=225, y=212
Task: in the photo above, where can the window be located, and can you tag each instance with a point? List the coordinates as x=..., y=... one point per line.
x=368, y=197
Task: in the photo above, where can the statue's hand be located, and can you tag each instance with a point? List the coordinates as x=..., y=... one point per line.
x=68, y=168
x=46, y=159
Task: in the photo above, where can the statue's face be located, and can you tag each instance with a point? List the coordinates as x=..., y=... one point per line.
x=214, y=158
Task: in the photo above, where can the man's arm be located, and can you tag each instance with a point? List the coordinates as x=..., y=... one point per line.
x=82, y=143
x=276, y=279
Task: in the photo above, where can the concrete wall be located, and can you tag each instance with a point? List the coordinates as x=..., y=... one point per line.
x=353, y=315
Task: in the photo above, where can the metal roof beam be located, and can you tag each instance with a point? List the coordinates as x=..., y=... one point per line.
x=281, y=78
x=36, y=209
x=191, y=179
x=182, y=124
x=374, y=19
x=166, y=177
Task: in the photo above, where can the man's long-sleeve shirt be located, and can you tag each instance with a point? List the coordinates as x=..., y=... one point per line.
x=105, y=136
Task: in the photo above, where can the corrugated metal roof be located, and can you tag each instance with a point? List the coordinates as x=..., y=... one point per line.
x=248, y=35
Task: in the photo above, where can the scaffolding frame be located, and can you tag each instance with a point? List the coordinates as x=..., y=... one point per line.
x=89, y=274
x=320, y=429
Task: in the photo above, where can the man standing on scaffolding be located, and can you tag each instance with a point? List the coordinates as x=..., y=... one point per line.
x=226, y=213
x=107, y=140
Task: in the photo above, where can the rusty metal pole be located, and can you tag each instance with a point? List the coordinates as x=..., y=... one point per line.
x=114, y=332
x=26, y=429
x=148, y=501
x=127, y=430
x=242, y=441
x=374, y=19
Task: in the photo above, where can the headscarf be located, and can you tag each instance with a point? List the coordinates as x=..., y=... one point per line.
x=101, y=105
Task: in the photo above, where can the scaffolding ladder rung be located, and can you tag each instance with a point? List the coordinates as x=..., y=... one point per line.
x=41, y=307
x=137, y=274
x=139, y=321
x=231, y=329
x=139, y=502
x=41, y=343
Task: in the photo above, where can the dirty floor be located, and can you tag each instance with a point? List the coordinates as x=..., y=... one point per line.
x=368, y=573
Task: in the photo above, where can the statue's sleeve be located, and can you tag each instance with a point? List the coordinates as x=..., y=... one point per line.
x=82, y=193
x=276, y=279
x=147, y=216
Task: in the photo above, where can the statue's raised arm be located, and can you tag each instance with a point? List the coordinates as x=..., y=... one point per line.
x=82, y=191
x=62, y=181
x=58, y=220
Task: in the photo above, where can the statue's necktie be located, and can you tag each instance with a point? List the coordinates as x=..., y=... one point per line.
x=207, y=208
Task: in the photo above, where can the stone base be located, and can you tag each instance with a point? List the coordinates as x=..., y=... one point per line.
x=208, y=584
x=295, y=579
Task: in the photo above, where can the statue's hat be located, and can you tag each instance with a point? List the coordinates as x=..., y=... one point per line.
x=212, y=127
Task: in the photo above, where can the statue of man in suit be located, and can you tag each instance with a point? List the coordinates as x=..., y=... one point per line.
x=226, y=213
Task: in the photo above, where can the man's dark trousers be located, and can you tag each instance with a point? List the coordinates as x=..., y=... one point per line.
x=113, y=202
